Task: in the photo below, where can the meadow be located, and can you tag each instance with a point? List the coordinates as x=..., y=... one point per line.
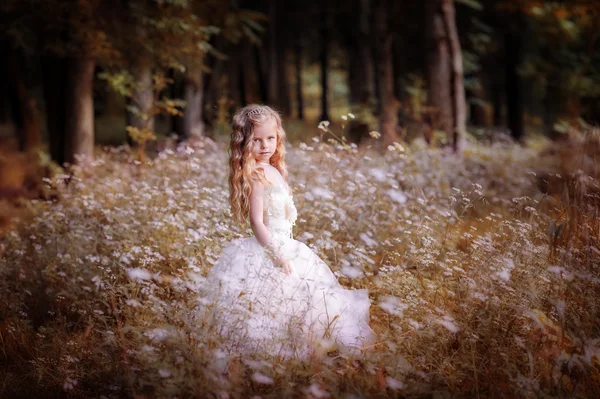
x=483, y=270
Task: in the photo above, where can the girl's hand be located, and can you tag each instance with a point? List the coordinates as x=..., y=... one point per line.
x=285, y=265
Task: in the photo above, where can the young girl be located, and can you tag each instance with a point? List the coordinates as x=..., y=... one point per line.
x=272, y=293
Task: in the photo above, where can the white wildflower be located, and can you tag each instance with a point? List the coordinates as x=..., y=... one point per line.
x=316, y=391
x=393, y=383
x=133, y=303
x=164, y=373
x=397, y=196
x=69, y=384
x=262, y=379
x=323, y=125
x=504, y=273
x=351, y=272
x=367, y=240
x=157, y=334
x=448, y=322
x=379, y=174
x=135, y=273
x=392, y=305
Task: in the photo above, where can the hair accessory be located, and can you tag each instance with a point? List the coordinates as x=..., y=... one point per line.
x=257, y=111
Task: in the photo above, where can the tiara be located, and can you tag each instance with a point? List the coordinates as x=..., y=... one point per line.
x=257, y=111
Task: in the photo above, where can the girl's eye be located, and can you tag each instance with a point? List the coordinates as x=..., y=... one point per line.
x=271, y=138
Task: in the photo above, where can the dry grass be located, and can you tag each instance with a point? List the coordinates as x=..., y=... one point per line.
x=476, y=290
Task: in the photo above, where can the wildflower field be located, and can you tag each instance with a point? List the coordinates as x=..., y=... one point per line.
x=483, y=270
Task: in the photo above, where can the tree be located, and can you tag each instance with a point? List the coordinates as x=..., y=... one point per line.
x=24, y=104
x=439, y=88
x=16, y=48
x=68, y=38
x=360, y=57
x=388, y=119
x=324, y=58
x=298, y=73
x=513, y=47
x=79, y=129
x=87, y=43
x=445, y=70
x=278, y=87
x=557, y=61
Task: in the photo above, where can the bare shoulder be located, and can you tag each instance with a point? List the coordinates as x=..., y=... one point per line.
x=269, y=174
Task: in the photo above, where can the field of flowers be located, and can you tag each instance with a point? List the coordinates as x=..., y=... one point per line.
x=483, y=271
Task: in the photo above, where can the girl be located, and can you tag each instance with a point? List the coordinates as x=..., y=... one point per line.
x=274, y=294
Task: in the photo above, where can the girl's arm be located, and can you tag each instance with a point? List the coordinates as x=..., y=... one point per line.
x=258, y=226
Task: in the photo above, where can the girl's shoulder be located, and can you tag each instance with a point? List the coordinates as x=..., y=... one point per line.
x=274, y=178
x=267, y=175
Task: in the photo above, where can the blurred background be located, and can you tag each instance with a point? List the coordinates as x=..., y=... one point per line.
x=79, y=73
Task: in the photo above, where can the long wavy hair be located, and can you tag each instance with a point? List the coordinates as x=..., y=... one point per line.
x=242, y=165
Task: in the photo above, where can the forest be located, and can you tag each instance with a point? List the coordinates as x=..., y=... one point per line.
x=443, y=154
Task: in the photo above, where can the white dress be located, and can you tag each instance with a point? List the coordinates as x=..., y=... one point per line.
x=260, y=309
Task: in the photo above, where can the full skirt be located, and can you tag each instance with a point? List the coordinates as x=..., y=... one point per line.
x=257, y=308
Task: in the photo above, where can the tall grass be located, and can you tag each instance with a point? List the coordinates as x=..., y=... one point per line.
x=475, y=291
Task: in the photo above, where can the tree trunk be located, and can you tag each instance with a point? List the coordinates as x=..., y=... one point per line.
x=459, y=104
x=273, y=74
x=388, y=119
x=193, y=118
x=354, y=65
x=4, y=87
x=375, y=56
x=54, y=77
x=191, y=89
x=285, y=104
x=26, y=112
x=439, y=87
x=142, y=99
x=79, y=132
x=242, y=82
x=477, y=108
x=324, y=59
x=514, y=87
x=210, y=83
x=389, y=104
x=279, y=92
x=399, y=68
x=260, y=74
x=299, y=96
x=231, y=74
x=551, y=105
x=361, y=61
x=497, y=103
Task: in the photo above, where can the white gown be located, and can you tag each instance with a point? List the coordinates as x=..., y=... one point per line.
x=259, y=309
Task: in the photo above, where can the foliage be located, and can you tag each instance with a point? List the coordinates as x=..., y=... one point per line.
x=565, y=56
x=125, y=84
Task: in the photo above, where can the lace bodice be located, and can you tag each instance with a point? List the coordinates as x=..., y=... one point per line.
x=279, y=211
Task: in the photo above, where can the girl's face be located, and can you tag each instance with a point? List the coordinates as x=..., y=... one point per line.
x=264, y=142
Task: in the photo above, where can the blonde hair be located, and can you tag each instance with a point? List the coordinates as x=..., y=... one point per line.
x=242, y=166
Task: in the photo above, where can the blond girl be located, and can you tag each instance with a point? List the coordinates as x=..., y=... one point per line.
x=273, y=294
